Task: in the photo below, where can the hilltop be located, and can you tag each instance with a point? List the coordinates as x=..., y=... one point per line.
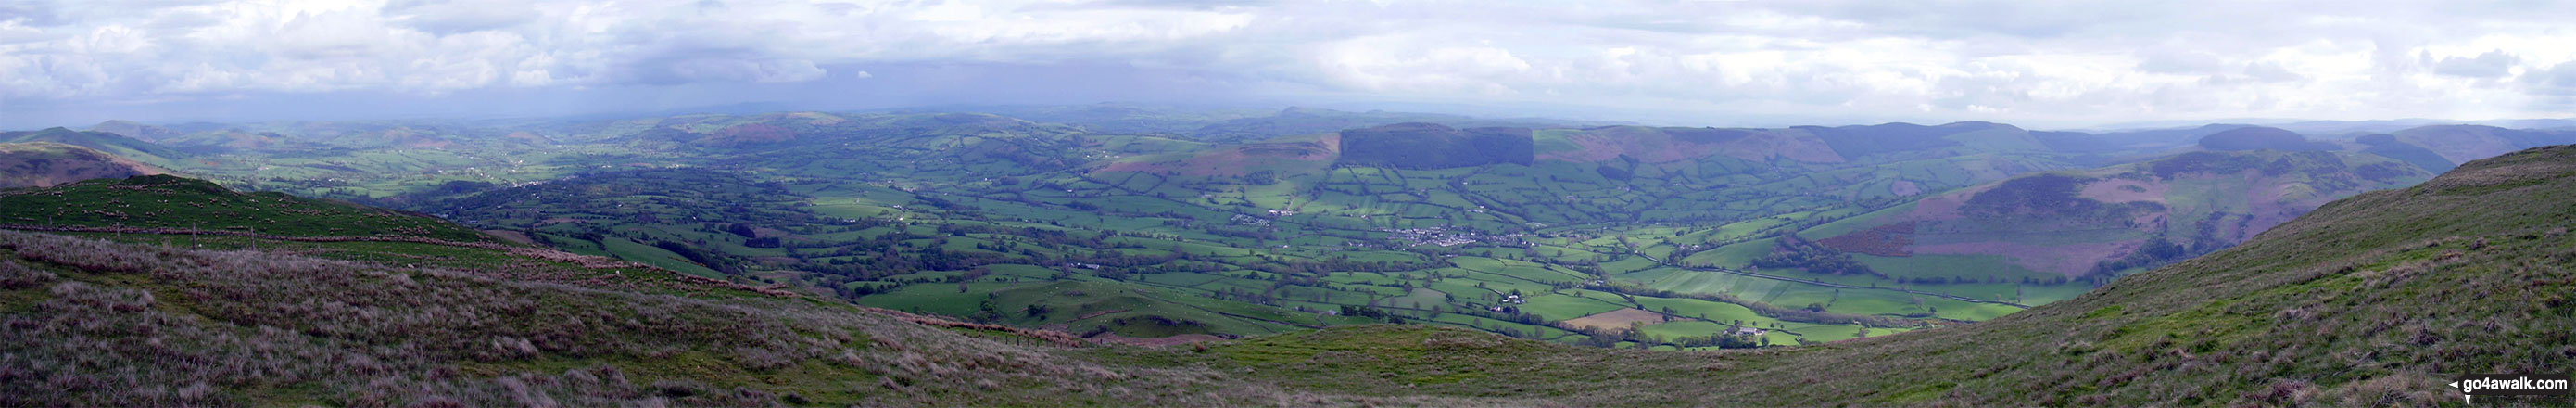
x=173, y=203
x=2092, y=224
x=44, y=164
x=1432, y=146
x=2262, y=138
x=110, y=143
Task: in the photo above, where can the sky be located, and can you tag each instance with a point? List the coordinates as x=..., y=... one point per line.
x=1722, y=63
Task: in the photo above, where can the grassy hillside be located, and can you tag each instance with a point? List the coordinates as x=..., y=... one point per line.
x=97, y=323
x=172, y=202
x=2332, y=309
x=44, y=164
x=2089, y=225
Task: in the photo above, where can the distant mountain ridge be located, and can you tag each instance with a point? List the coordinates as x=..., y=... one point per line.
x=2262, y=138
x=1432, y=146
x=111, y=143
x=2096, y=223
x=45, y=164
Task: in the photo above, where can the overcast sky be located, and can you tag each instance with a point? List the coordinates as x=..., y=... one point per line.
x=2038, y=63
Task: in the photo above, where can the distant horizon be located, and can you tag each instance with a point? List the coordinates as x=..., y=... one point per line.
x=756, y=108
x=2050, y=65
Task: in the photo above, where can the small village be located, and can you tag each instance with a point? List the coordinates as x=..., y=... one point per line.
x=1443, y=236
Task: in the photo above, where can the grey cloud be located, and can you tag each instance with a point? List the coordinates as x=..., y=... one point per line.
x=2271, y=72
x=2042, y=19
x=444, y=17
x=735, y=70
x=2558, y=81
x=2167, y=61
x=2492, y=64
x=29, y=13
x=1178, y=4
x=2553, y=89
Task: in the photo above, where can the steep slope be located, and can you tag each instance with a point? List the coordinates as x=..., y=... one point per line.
x=163, y=202
x=110, y=143
x=126, y=319
x=2377, y=299
x=44, y=164
x=2388, y=146
x=98, y=323
x=1907, y=139
x=2095, y=224
x=1432, y=146
x=1665, y=145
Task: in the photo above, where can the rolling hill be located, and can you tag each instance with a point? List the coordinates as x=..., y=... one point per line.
x=2462, y=143
x=110, y=143
x=44, y=164
x=2098, y=223
x=1666, y=145
x=2328, y=309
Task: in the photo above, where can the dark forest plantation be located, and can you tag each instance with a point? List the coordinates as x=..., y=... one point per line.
x=466, y=203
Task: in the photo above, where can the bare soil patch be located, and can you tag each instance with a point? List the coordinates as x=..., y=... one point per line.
x=1618, y=319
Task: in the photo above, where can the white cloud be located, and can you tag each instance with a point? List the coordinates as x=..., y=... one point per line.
x=2048, y=62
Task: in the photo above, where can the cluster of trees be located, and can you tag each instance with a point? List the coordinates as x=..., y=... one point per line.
x=1792, y=252
x=1610, y=337
x=1371, y=312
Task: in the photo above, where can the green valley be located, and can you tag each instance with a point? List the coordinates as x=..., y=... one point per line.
x=1790, y=235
